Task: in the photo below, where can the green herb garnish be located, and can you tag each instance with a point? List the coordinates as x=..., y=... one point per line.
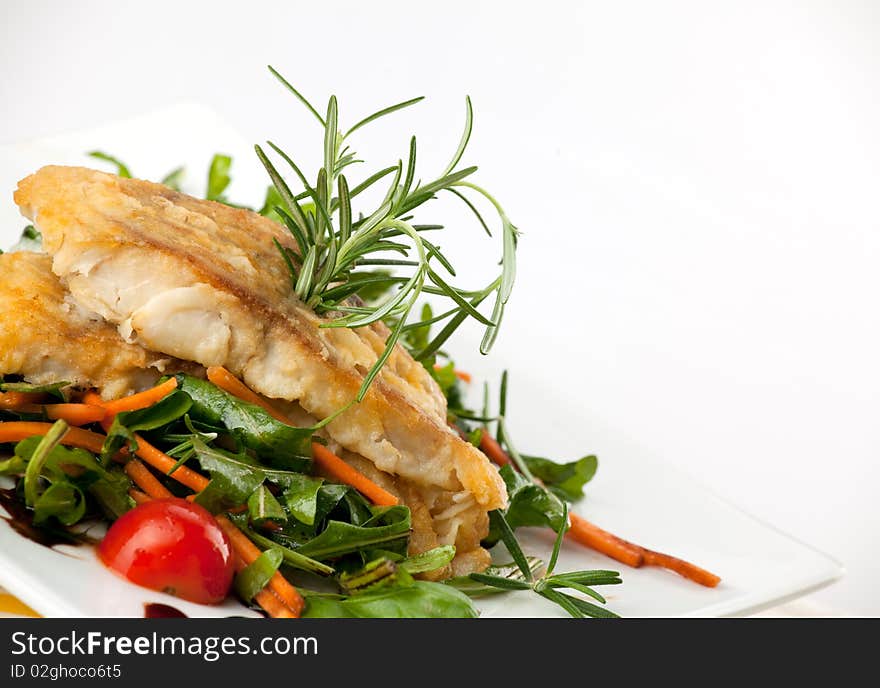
x=549, y=585
x=334, y=242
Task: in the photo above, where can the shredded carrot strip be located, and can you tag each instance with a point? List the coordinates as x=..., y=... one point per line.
x=145, y=480
x=141, y=400
x=139, y=497
x=335, y=467
x=164, y=463
x=155, y=457
x=74, y=414
x=15, y=400
x=492, y=449
x=248, y=552
x=92, y=398
x=592, y=536
x=274, y=607
x=229, y=383
x=585, y=533
x=14, y=431
x=681, y=567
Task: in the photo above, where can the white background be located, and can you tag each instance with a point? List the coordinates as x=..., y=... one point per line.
x=697, y=188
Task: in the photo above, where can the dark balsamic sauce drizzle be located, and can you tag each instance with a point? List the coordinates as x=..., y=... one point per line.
x=21, y=520
x=155, y=610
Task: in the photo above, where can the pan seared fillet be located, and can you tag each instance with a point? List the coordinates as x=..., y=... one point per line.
x=203, y=282
x=47, y=337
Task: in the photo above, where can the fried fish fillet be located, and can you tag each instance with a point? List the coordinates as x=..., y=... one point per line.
x=47, y=337
x=203, y=282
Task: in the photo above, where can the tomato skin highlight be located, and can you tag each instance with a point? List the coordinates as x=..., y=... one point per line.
x=172, y=546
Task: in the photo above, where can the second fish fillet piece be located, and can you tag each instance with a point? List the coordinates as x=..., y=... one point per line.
x=46, y=337
x=203, y=282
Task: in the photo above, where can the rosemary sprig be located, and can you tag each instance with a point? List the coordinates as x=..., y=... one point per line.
x=334, y=243
x=550, y=584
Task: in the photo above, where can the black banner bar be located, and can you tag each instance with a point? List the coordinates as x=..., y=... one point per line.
x=241, y=652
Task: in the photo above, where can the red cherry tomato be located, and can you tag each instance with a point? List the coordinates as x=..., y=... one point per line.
x=172, y=546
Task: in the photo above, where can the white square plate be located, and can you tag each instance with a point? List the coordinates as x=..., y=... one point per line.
x=633, y=495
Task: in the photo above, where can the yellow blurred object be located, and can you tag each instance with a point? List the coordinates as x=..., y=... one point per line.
x=13, y=605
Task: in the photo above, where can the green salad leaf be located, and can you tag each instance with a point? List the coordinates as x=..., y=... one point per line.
x=174, y=178
x=70, y=473
x=121, y=169
x=218, y=177
x=54, y=389
x=30, y=240
x=254, y=577
x=291, y=558
x=278, y=444
x=566, y=480
x=529, y=504
x=389, y=528
x=431, y=560
x=63, y=500
x=262, y=506
x=273, y=200
x=301, y=498
x=421, y=599
x=127, y=423
x=234, y=477
x=378, y=573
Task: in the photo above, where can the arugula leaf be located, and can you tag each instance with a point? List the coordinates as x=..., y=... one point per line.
x=255, y=576
x=14, y=465
x=63, y=500
x=417, y=335
x=174, y=178
x=53, y=389
x=357, y=509
x=389, y=527
x=566, y=480
x=291, y=558
x=127, y=423
x=111, y=493
x=78, y=469
x=277, y=443
x=375, y=574
x=301, y=498
x=431, y=560
x=273, y=200
x=262, y=506
x=30, y=240
x=234, y=478
x=329, y=497
x=121, y=169
x=38, y=458
x=445, y=377
x=218, y=177
x=530, y=504
x=421, y=599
